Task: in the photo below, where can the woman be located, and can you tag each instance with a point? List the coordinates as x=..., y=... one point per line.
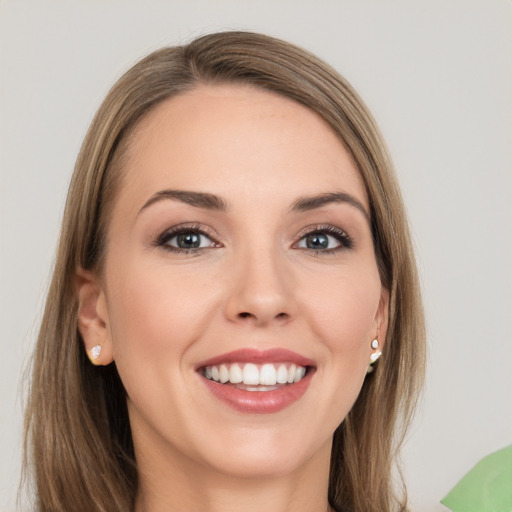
x=234, y=258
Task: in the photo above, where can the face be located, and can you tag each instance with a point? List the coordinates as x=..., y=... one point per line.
x=240, y=292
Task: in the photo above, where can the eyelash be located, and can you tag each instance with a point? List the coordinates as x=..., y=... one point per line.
x=163, y=240
x=338, y=234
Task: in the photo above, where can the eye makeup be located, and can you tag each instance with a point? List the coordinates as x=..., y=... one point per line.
x=187, y=239
x=193, y=239
x=323, y=239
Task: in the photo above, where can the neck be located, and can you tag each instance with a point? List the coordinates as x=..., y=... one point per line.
x=169, y=484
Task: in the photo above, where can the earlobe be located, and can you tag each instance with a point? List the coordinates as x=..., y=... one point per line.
x=93, y=318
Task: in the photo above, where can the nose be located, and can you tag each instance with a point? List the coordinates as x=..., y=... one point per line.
x=261, y=290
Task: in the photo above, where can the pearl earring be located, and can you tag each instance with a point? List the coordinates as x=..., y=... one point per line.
x=374, y=355
x=95, y=352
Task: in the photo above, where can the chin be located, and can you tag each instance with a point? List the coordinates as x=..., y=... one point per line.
x=267, y=454
x=263, y=465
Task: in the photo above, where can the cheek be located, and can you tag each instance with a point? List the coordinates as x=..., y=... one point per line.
x=343, y=311
x=342, y=314
x=154, y=315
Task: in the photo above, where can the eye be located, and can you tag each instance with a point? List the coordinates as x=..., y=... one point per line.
x=318, y=241
x=186, y=239
x=325, y=239
x=189, y=240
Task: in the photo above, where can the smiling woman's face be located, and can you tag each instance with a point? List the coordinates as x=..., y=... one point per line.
x=239, y=252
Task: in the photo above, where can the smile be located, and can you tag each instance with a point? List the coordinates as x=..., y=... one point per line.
x=253, y=377
x=279, y=378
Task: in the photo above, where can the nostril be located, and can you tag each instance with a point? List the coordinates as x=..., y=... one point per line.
x=261, y=319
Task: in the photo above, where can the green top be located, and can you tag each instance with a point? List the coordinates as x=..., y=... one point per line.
x=486, y=488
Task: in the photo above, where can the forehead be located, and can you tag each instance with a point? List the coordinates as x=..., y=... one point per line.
x=232, y=140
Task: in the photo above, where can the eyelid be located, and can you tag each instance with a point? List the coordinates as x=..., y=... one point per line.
x=341, y=235
x=186, y=227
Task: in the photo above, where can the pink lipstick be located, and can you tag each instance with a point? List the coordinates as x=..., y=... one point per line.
x=257, y=381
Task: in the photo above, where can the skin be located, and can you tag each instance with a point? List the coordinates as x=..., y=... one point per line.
x=255, y=283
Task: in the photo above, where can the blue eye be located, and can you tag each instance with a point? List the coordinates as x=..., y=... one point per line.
x=319, y=241
x=189, y=240
x=185, y=239
x=325, y=239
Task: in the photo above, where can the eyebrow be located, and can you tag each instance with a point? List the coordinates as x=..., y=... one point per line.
x=213, y=202
x=197, y=199
x=310, y=203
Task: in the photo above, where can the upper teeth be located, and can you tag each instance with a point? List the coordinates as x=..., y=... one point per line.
x=251, y=374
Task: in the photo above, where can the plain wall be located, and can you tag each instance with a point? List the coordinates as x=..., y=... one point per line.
x=436, y=74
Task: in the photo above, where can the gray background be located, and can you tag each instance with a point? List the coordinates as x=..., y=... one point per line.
x=438, y=77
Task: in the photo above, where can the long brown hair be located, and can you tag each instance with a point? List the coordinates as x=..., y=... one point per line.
x=78, y=437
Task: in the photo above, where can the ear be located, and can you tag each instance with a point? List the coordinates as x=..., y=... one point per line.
x=382, y=317
x=93, y=321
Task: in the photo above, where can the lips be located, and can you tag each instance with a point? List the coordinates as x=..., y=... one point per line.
x=255, y=381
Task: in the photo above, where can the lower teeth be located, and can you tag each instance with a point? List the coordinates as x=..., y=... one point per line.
x=258, y=388
x=246, y=387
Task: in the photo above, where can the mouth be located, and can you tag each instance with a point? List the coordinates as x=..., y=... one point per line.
x=256, y=377
x=252, y=381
